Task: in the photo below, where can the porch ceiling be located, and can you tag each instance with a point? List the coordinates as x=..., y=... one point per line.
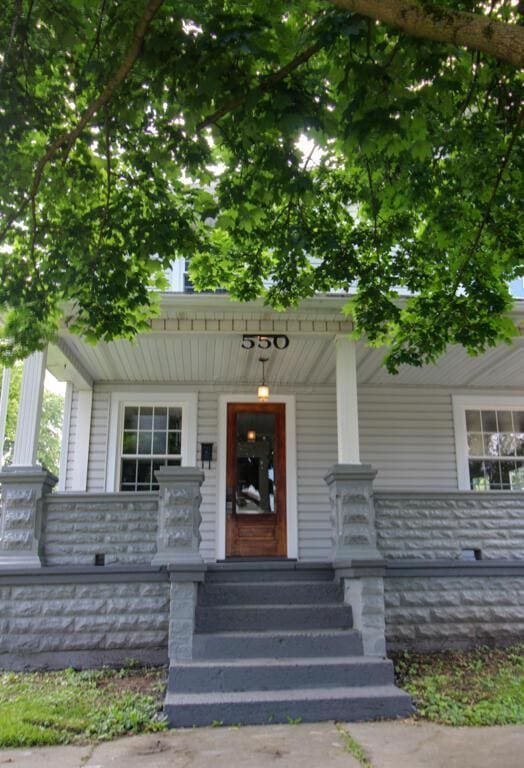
x=309, y=360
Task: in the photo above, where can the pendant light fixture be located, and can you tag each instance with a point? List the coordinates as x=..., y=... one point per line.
x=251, y=436
x=263, y=389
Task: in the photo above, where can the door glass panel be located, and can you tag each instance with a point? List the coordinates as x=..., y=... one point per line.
x=255, y=490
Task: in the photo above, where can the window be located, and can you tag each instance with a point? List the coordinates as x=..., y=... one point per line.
x=490, y=444
x=148, y=430
x=152, y=438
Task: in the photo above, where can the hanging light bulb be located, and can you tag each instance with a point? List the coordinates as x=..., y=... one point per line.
x=263, y=389
x=251, y=436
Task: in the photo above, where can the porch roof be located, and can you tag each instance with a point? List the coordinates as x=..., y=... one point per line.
x=197, y=340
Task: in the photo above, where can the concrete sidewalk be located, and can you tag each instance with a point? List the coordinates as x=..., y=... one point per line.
x=388, y=745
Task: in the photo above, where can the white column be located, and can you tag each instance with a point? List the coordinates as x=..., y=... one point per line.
x=30, y=410
x=347, y=401
x=4, y=402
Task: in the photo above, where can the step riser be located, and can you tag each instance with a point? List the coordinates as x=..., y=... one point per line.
x=275, y=618
x=256, y=712
x=194, y=679
x=270, y=594
x=235, y=576
x=208, y=646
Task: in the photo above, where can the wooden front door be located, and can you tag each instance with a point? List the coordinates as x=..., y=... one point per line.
x=256, y=480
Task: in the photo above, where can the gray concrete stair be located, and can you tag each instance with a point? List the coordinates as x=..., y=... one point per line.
x=278, y=674
x=249, y=618
x=296, y=705
x=274, y=643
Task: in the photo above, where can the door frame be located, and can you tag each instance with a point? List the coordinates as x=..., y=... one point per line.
x=291, y=470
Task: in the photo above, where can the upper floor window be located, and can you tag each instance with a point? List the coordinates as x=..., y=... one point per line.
x=490, y=444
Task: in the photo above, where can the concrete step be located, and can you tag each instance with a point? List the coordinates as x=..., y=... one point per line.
x=286, y=644
x=302, y=704
x=267, y=571
x=272, y=617
x=273, y=593
x=278, y=674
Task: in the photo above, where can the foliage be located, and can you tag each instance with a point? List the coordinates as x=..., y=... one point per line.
x=291, y=141
x=70, y=707
x=50, y=438
x=481, y=687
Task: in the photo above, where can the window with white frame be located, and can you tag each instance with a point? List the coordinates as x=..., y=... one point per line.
x=490, y=445
x=151, y=438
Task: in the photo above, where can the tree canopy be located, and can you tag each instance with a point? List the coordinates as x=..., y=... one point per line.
x=315, y=144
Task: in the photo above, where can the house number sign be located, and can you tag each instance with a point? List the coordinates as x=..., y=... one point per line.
x=278, y=341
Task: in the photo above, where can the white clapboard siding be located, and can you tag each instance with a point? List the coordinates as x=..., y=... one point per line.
x=316, y=452
x=407, y=435
x=71, y=437
x=207, y=432
x=96, y=471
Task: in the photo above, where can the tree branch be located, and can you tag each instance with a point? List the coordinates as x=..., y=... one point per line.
x=263, y=86
x=496, y=185
x=67, y=139
x=12, y=33
x=433, y=21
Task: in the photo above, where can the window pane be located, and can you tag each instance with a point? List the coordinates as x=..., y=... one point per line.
x=473, y=421
x=505, y=421
x=160, y=419
x=507, y=444
x=144, y=442
x=475, y=444
x=491, y=445
x=478, y=481
x=505, y=468
x=144, y=471
x=516, y=478
x=492, y=469
x=146, y=418
x=128, y=471
x=175, y=418
x=128, y=487
x=489, y=421
x=173, y=443
x=519, y=444
x=131, y=418
x=174, y=462
x=129, y=444
x=159, y=442
x=518, y=421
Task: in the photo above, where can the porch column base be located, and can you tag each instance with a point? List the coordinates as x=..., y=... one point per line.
x=353, y=534
x=23, y=489
x=179, y=518
x=183, y=600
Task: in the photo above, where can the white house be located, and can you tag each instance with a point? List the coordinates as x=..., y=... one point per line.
x=347, y=506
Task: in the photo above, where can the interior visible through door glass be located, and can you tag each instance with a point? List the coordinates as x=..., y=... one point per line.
x=255, y=491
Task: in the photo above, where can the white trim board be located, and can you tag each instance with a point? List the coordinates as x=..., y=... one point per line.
x=187, y=401
x=461, y=403
x=291, y=470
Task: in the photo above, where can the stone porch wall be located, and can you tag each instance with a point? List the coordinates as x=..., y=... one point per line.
x=460, y=605
x=438, y=525
x=83, y=617
x=121, y=526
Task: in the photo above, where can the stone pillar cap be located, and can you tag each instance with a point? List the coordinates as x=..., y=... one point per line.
x=349, y=472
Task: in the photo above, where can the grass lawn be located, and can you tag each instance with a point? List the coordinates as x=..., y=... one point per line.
x=480, y=687
x=74, y=707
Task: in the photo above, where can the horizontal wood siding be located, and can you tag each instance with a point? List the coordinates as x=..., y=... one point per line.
x=407, y=435
x=96, y=471
x=73, y=422
x=207, y=432
x=316, y=452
